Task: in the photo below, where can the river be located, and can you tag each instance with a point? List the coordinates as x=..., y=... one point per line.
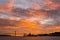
x=31, y=38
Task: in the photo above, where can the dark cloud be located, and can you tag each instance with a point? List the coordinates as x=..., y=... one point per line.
x=54, y=14
x=21, y=12
x=56, y=1
x=6, y=23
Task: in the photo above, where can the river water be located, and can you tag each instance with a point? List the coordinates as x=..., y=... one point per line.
x=31, y=38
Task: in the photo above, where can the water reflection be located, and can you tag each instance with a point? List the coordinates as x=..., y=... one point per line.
x=30, y=38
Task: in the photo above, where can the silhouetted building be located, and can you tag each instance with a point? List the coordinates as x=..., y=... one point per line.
x=55, y=34
x=51, y=34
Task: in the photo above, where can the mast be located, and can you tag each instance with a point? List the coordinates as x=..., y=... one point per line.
x=15, y=33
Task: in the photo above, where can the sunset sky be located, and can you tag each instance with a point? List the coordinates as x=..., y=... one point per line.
x=29, y=16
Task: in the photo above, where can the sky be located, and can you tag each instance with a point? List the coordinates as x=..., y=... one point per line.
x=29, y=16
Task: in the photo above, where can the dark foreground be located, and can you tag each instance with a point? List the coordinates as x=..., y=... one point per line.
x=31, y=38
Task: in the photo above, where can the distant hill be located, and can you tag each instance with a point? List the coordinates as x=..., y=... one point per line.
x=5, y=35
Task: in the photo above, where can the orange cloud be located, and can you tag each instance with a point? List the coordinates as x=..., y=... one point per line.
x=7, y=7
x=50, y=5
x=27, y=24
x=35, y=5
x=52, y=29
